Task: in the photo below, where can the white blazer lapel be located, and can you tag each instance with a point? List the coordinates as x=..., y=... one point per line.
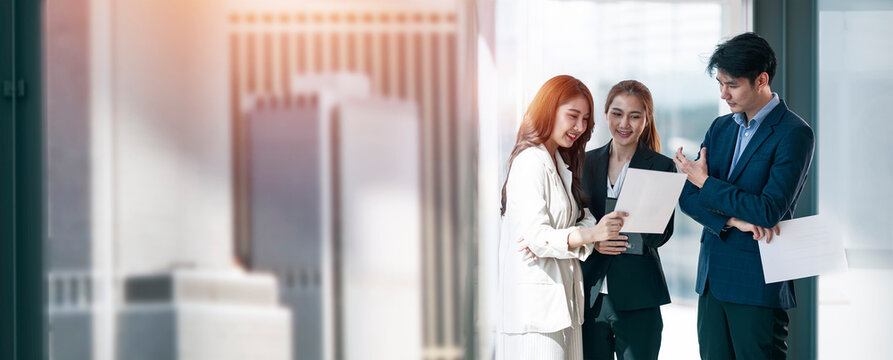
x=567, y=178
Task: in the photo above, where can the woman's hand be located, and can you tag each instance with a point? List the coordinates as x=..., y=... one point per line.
x=606, y=234
x=611, y=247
x=758, y=231
x=526, y=250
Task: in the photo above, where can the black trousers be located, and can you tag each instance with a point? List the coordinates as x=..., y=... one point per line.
x=735, y=331
x=632, y=335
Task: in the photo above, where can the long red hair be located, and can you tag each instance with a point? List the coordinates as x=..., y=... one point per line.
x=649, y=136
x=537, y=128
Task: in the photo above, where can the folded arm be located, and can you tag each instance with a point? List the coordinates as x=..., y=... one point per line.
x=786, y=175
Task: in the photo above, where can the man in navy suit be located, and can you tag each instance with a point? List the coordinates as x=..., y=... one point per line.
x=752, y=166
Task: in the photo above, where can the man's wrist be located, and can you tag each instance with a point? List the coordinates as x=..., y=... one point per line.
x=731, y=223
x=701, y=181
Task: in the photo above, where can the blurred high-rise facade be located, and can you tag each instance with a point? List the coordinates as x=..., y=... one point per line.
x=412, y=51
x=171, y=197
x=182, y=138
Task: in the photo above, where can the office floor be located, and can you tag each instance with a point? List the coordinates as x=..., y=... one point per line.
x=680, y=335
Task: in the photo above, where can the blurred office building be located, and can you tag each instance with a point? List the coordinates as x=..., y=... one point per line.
x=263, y=180
x=298, y=191
x=140, y=241
x=321, y=179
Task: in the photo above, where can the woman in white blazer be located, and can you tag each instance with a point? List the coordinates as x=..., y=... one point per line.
x=543, y=203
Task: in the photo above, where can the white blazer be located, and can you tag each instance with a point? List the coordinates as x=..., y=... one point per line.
x=540, y=295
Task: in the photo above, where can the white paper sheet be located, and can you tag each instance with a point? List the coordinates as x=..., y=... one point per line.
x=807, y=246
x=649, y=197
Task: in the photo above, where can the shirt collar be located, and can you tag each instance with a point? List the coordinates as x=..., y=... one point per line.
x=758, y=118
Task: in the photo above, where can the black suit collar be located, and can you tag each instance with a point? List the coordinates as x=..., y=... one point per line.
x=641, y=158
x=601, y=157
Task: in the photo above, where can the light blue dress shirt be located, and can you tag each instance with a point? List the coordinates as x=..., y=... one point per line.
x=746, y=130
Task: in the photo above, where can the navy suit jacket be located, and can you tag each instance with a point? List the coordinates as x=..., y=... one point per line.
x=762, y=190
x=636, y=281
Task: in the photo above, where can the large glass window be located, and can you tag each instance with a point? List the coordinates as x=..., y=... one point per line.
x=181, y=162
x=854, y=171
x=662, y=44
x=269, y=179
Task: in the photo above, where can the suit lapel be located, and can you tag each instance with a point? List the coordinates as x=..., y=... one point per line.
x=567, y=178
x=763, y=132
x=600, y=179
x=725, y=148
x=641, y=159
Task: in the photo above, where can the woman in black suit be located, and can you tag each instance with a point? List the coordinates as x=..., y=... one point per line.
x=625, y=291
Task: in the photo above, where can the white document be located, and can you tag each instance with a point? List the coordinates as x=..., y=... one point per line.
x=807, y=246
x=649, y=197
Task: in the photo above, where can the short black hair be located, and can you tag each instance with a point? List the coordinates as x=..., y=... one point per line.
x=746, y=55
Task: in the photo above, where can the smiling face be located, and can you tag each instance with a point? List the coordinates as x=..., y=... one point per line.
x=570, y=122
x=626, y=119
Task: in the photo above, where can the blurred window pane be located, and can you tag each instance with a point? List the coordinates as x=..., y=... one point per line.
x=854, y=171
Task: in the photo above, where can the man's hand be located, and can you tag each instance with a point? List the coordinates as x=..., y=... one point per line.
x=758, y=231
x=696, y=170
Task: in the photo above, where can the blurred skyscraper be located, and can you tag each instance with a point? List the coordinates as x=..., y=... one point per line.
x=156, y=180
x=140, y=246
x=286, y=196
x=415, y=51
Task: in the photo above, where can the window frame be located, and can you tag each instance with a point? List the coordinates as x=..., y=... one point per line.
x=22, y=300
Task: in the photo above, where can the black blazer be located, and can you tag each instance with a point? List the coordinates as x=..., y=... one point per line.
x=634, y=281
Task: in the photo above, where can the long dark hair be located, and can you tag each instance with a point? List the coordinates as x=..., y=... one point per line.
x=649, y=137
x=537, y=128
